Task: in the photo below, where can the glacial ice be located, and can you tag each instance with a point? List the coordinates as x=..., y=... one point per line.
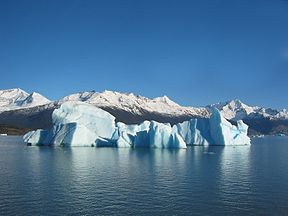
x=81, y=124
x=224, y=133
x=214, y=131
x=76, y=124
x=97, y=120
x=163, y=136
x=195, y=131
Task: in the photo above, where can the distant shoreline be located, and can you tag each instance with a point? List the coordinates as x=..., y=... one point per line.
x=10, y=131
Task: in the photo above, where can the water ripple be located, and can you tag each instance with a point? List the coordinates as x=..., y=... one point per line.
x=90, y=181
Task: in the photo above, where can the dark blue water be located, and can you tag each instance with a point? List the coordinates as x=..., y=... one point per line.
x=108, y=181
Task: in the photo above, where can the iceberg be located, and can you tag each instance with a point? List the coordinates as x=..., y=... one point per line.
x=213, y=131
x=224, y=133
x=75, y=124
x=195, y=132
x=82, y=124
x=148, y=134
x=95, y=119
x=163, y=136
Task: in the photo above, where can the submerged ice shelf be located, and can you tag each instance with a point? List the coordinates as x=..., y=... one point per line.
x=82, y=124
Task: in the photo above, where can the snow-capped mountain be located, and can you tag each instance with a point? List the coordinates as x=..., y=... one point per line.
x=12, y=99
x=34, y=99
x=32, y=111
x=236, y=110
x=135, y=104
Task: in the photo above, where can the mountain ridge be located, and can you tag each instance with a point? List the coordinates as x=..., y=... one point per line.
x=234, y=109
x=237, y=110
x=20, y=109
x=16, y=98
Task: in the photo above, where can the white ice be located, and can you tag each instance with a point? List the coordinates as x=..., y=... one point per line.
x=81, y=124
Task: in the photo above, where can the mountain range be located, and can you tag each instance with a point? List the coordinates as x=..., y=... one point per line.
x=20, y=111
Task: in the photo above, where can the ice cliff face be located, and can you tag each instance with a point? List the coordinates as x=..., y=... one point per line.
x=82, y=124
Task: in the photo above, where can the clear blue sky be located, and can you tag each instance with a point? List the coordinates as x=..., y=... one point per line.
x=196, y=52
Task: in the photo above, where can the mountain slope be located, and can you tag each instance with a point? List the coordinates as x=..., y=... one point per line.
x=127, y=108
x=34, y=99
x=12, y=99
x=236, y=110
x=260, y=120
x=137, y=107
x=31, y=111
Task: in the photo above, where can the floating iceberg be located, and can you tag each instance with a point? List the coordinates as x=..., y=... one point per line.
x=76, y=124
x=81, y=124
x=214, y=131
x=224, y=133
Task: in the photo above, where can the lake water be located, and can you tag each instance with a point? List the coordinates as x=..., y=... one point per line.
x=108, y=181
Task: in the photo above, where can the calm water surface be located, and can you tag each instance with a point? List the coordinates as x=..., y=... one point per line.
x=108, y=181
